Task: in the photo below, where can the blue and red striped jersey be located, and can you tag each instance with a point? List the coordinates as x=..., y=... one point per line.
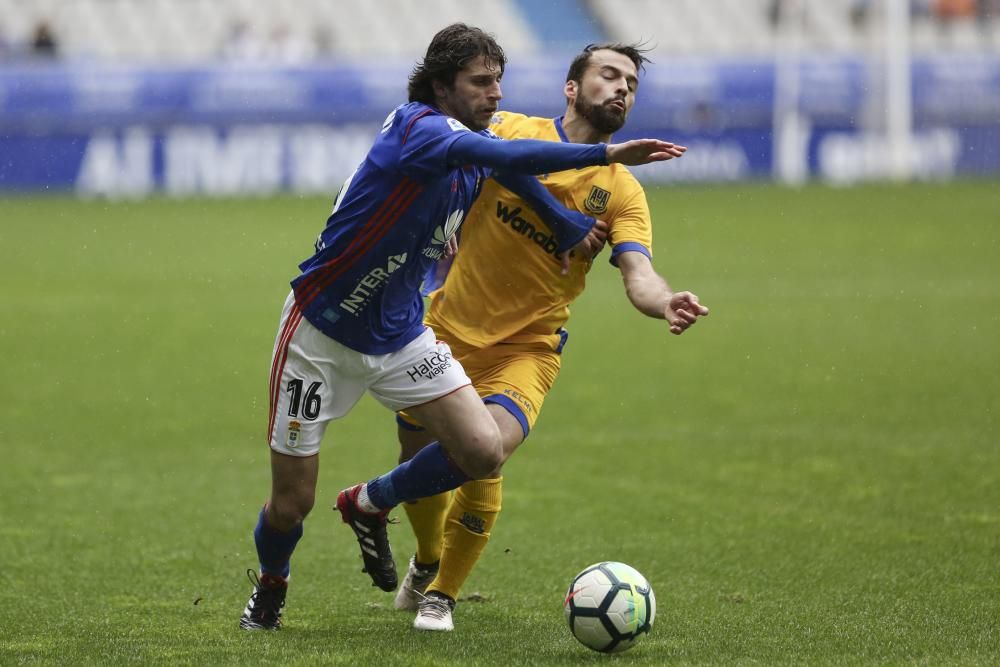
x=389, y=225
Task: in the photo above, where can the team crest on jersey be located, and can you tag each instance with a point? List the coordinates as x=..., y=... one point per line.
x=597, y=200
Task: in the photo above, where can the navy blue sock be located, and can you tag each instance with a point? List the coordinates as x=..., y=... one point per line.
x=428, y=473
x=274, y=548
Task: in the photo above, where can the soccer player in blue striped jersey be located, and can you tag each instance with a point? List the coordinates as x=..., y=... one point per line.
x=353, y=321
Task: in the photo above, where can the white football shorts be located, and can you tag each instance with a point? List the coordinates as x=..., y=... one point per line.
x=315, y=379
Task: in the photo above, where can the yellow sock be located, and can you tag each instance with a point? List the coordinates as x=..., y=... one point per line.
x=427, y=517
x=467, y=530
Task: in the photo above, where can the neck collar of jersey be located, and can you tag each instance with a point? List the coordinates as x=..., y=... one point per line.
x=560, y=131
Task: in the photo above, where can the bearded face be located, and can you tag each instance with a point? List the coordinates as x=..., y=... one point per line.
x=607, y=117
x=605, y=91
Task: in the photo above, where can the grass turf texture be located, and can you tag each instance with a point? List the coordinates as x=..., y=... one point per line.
x=810, y=476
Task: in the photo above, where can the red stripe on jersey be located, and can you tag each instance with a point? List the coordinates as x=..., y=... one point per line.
x=413, y=120
x=306, y=285
x=278, y=366
x=363, y=244
x=370, y=241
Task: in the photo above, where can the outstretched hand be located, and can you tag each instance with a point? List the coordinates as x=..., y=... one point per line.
x=589, y=247
x=643, y=151
x=682, y=311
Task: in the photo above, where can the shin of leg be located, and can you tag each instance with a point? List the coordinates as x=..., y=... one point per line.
x=465, y=429
x=471, y=518
x=426, y=515
x=293, y=490
x=473, y=513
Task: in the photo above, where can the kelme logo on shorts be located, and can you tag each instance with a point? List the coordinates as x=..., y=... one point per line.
x=430, y=367
x=525, y=228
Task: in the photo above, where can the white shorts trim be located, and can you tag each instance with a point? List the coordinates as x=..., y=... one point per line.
x=315, y=379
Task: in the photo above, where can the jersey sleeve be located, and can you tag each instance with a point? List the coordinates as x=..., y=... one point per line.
x=528, y=156
x=425, y=141
x=631, y=228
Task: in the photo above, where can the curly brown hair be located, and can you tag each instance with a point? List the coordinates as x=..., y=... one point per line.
x=451, y=49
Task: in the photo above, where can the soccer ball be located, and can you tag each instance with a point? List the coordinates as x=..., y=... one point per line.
x=609, y=606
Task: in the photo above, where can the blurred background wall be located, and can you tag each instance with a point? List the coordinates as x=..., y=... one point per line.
x=126, y=98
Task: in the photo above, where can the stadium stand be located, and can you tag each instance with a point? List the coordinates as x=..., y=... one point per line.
x=563, y=24
x=751, y=26
x=126, y=98
x=185, y=30
x=298, y=30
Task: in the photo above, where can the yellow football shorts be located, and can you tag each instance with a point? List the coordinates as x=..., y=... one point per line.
x=516, y=376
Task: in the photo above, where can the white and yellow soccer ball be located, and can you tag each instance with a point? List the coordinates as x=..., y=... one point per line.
x=609, y=607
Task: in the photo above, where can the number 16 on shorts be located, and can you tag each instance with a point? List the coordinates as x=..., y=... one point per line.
x=299, y=406
x=308, y=404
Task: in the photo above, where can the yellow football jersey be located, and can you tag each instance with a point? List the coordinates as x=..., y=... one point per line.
x=505, y=283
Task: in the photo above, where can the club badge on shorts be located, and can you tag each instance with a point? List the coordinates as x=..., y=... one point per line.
x=294, y=429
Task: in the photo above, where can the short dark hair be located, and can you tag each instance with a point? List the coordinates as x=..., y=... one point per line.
x=634, y=52
x=451, y=50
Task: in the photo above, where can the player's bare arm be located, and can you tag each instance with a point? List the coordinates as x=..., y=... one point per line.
x=643, y=151
x=652, y=296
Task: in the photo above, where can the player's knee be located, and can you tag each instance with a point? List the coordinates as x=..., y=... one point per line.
x=508, y=444
x=486, y=456
x=497, y=470
x=290, y=509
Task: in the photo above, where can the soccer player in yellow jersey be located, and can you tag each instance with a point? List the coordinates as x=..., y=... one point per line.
x=504, y=303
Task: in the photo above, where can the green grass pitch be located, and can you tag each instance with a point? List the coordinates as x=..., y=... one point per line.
x=809, y=476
